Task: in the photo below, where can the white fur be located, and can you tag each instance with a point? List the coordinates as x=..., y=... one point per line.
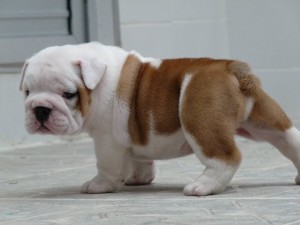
x=248, y=108
x=112, y=165
x=290, y=145
x=290, y=148
x=155, y=63
x=61, y=120
x=92, y=70
x=162, y=146
x=185, y=82
x=47, y=76
x=288, y=142
x=120, y=121
x=141, y=172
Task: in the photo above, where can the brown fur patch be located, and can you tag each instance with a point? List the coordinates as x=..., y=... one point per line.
x=157, y=91
x=84, y=100
x=128, y=77
x=156, y=97
x=213, y=105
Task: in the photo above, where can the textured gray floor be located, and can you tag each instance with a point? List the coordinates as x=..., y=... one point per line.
x=41, y=186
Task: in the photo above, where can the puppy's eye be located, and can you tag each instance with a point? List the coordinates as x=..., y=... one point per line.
x=26, y=93
x=69, y=95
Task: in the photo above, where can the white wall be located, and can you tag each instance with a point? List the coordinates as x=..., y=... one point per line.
x=10, y=111
x=266, y=34
x=174, y=28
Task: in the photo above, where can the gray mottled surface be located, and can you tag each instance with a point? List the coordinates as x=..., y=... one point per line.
x=41, y=186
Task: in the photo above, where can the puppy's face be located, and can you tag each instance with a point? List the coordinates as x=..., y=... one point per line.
x=57, y=84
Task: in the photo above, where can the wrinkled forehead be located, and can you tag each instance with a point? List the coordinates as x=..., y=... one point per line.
x=42, y=75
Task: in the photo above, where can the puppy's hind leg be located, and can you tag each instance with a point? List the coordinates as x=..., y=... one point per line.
x=268, y=122
x=209, y=126
x=221, y=158
x=211, y=136
x=288, y=143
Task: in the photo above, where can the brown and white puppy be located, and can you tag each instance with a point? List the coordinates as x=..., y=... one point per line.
x=140, y=109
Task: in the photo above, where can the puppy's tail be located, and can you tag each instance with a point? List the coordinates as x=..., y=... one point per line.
x=249, y=83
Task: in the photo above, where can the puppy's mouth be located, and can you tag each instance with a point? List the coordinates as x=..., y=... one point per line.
x=42, y=115
x=43, y=129
x=41, y=120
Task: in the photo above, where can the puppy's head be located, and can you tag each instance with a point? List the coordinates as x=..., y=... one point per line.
x=57, y=83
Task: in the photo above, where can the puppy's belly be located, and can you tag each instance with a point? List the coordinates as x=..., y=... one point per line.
x=163, y=147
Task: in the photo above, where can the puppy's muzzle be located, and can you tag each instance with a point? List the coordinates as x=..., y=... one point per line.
x=42, y=113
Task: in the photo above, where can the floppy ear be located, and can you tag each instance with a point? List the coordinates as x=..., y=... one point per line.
x=22, y=75
x=92, y=70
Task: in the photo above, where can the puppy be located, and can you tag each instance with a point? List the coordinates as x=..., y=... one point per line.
x=140, y=109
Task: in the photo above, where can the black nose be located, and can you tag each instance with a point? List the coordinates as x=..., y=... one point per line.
x=42, y=113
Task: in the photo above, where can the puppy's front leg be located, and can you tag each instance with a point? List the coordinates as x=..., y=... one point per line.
x=111, y=164
x=141, y=173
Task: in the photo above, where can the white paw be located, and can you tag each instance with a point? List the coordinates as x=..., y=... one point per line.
x=142, y=174
x=98, y=185
x=139, y=179
x=203, y=187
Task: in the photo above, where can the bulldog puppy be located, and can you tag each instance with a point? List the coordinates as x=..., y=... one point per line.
x=140, y=109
